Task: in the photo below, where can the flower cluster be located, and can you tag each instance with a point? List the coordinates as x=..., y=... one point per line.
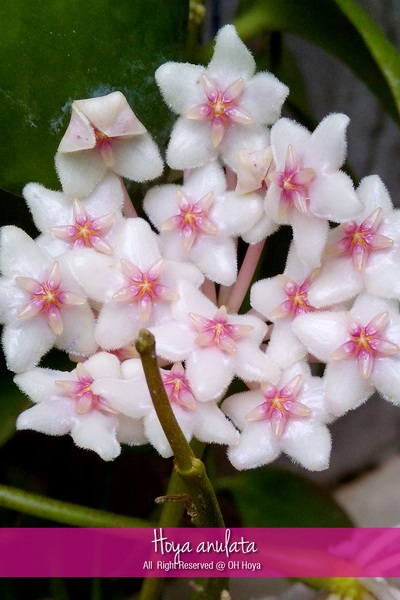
x=97, y=274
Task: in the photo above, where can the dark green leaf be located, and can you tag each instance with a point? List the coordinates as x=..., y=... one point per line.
x=12, y=403
x=324, y=24
x=276, y=498
x=385, y=54
x=54, y=51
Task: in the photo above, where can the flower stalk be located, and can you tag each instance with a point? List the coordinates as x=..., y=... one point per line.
x=190, y=469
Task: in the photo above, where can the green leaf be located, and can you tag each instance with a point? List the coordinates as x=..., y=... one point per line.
x=324, y=24
x=54, y=51
x=384, y=53
x=12, y=403
x=273, y=497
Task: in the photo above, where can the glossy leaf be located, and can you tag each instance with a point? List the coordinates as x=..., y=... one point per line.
x=276, y=498
x=324, y=24
x=12, y=403
x=383, y=51
x=52, y=52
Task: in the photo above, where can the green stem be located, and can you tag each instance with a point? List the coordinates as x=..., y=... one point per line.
x=189, y=468
x=63, y=512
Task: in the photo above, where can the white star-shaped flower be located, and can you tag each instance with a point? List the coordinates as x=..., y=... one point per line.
x=65, y=402
x=280, y=299
x=203, y=420
x=364, y=253
x=200, y=220
x=361, y=348
x=220, y=105
x=104, y=135
x=67, y=223
x=307, y=188
x=136, y=286
x=286, y=415
x=216, y=345
x=41, y=304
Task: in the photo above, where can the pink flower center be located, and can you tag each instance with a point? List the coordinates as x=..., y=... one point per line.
x=361, y=240
x=366, y=343
x=178, y=388
x=294, y=181
x=280, y=405
x=47, y=298
x=221, y=108
x=86, y=231
x=104, y=146
x=192, y=220
x=144, y=288
x=81, y=392
x=218, y=332
x=297, y=302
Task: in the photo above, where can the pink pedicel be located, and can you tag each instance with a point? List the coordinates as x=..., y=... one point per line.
x=193, y=219
x=361, y=240
x=81, y=392
x=297, y=302
x=144, y=288
x=221, y=108
x=47, y=298
x=86, y=231
x=294, y=181
x=280, y=405
x=178, y=388
x=366, y=343
x=218, y=332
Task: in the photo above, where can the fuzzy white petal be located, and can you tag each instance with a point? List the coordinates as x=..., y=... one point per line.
x=231, y=59
x=137, y=158
x=273, y=93
x=332, y=197
x=180, y=85
x=326, y=149
x=39, y=384
x=25, y=343
x=284, y=347
x=209, y=372
x=309, y=234
x=212, y=426
x=96, y=431
x=190, y=145
x=345, y=387
x=53, y=416
x=79, y=172
x=321, y=332
x=117, y=325
x=257, y=446
x=308, y=443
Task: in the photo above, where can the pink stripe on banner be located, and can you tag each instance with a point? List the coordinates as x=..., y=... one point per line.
x=59, y=552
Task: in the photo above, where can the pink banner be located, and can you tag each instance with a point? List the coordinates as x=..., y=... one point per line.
x=60, y=552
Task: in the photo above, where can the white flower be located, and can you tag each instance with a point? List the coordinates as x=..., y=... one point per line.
x=67, y=403
x=199, y=220
x=215, y=345
x=280, y=299
x=361, y=349
x=220, y=105
x=307, y=188
x=136, y=287
x=41, y=304
x=67, y=223
x=203, y=420
x=364, y=253
x=286, y=415
x=104, y=135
